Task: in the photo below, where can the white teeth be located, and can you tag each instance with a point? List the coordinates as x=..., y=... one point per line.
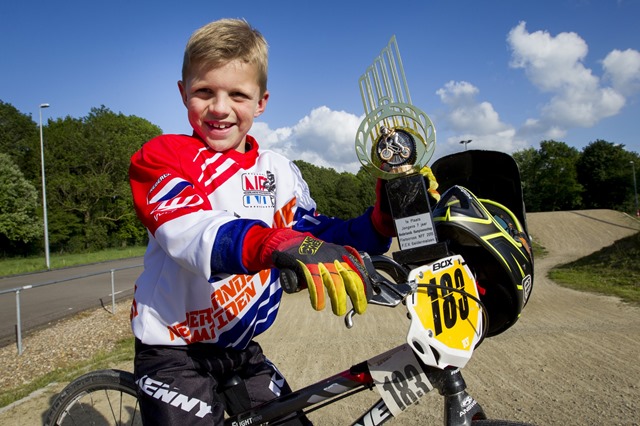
x=220, y=126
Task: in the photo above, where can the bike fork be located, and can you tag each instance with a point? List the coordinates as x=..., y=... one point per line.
x=460, y=408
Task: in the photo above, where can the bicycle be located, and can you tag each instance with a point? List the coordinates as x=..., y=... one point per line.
x=448, y=321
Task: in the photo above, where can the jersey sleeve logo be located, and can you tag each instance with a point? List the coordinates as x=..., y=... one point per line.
x=170, y=194
x=163, y=190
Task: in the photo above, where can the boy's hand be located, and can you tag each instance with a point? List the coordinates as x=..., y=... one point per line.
x=381, y=214
x=319, y=265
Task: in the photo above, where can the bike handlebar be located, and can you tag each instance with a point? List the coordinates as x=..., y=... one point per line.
x=385, y=291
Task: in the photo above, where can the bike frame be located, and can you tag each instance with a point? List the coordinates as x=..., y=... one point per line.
x=459, y=407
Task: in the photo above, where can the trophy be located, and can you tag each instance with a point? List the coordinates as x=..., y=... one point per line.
x=394, y=142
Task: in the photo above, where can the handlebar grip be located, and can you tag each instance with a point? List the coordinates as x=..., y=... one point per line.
x=289, y=281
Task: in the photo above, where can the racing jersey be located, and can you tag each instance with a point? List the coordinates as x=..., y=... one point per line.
x=197, y=205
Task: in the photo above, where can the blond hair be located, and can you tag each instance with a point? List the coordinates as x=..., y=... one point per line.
x=223, y=41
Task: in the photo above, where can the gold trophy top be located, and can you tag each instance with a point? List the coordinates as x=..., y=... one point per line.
x=395, y=138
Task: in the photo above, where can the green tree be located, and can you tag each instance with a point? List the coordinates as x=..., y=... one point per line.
x=527, y=160
x=550, y=177
x=19, y=139
x=605, y=173
x=87, y=178
x=321, y=180
x=366, y=188
x=346, y=193
x=342, y=195
x=19, y=223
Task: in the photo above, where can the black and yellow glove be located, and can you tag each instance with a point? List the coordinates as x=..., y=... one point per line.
x=319, y=265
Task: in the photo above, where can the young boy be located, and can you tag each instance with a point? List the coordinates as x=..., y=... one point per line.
x=224, y=217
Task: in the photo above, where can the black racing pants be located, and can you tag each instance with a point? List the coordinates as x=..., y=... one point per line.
x=178, y=385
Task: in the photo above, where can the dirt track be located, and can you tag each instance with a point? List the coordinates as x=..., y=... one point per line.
x=572, y=359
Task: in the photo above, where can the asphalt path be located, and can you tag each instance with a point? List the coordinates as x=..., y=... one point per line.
x=46, y=297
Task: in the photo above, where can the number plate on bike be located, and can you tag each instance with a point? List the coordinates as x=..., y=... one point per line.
x=446, y=321
x=399, y=378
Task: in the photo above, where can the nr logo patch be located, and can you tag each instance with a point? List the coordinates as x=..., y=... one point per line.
x=258, y=190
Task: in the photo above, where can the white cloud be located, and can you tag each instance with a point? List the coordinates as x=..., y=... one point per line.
x=550, y=62
x=468, y=118
x=554, y=64
x=457, y=92
x=268, y=137
x=622, y=68
x=534, y=129
x=324, y=138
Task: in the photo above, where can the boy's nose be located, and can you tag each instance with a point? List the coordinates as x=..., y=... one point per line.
x=219, y=105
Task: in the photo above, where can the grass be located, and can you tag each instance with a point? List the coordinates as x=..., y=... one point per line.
x=538, y=250
x=14, y=266
x=613, y=271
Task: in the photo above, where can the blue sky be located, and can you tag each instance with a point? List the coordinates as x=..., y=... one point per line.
x=505, y=73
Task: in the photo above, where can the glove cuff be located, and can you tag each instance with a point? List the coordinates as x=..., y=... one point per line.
x=382, y=222
x=260, y=242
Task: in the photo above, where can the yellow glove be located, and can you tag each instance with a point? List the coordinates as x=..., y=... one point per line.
x=326, y=270
x=433, y=183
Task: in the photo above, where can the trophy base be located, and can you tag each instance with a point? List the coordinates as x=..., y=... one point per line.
x=411, y=212
x=421, y=255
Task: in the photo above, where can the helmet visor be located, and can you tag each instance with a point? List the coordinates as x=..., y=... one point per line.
x=458, y=202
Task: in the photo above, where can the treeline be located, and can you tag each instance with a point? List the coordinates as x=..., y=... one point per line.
x=559, y=177
x=89, y=205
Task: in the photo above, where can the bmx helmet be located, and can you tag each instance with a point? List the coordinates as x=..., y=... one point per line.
x=495, y=246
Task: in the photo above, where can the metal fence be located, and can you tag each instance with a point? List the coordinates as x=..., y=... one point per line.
x=18, y=290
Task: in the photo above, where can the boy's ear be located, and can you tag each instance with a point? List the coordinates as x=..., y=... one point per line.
x=262, y=104
x=183, y=92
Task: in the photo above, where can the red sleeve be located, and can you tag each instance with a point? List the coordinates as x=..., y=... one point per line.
x=162, y=190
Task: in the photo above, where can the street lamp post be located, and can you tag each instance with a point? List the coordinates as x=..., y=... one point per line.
x=44, y=193
x=635, y=188
x=465, y=143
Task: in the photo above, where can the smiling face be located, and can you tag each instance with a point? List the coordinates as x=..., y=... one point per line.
x=222, y=103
